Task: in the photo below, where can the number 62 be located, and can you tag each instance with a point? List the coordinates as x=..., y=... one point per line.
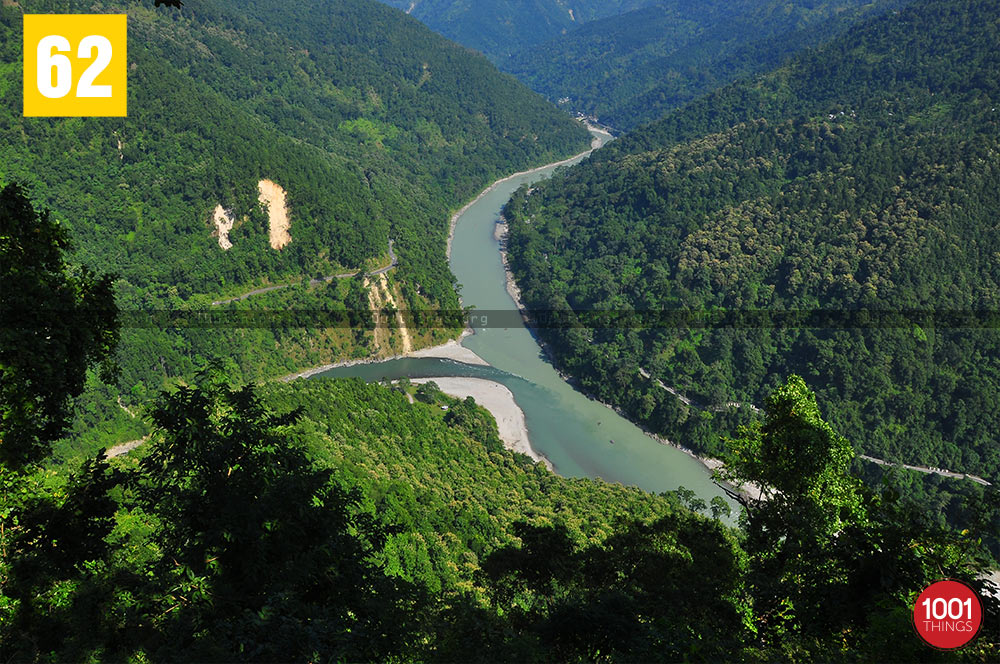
x=49, y=60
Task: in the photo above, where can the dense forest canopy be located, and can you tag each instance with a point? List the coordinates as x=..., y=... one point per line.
x=334, y=520
x=374, y=126
x=635, y=67
x=861, y=176
x=500, y=28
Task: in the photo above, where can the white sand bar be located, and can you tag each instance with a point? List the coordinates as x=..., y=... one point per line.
x=497, y=399
x=451, y=350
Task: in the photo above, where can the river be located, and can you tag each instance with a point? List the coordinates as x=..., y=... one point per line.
x=574, y=432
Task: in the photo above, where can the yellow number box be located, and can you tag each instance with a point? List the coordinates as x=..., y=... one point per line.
x=75, y=65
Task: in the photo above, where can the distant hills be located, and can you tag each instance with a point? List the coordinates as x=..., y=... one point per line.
x=500, y=28
x=635, y=67
x=862, y=175
x=628, y=62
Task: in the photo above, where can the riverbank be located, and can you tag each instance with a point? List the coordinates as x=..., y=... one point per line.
x=580, y=436
x=499, y=400
x=500, y=233
x=595, y=143
x=452, y=349
x=449, y=350
x=712, y=464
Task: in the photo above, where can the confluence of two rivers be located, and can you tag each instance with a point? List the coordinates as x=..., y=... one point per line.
x=571, y=430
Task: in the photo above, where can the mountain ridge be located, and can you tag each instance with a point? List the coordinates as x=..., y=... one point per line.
x=858, y=176
x=374, y=126
x=633, y=68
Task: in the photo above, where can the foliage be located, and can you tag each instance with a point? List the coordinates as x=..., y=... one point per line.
x=857, y=178
x=635, y=67
x=249, y=552
x=457, y=496
x=831, y=562
x=357, y=526
x=640, y=595
x=56, y=323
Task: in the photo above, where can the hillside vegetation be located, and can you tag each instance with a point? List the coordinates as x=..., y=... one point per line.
x=861, y=177
x=374, y=126
x=348, y=524
x=635, y=67
x=333, y=520
x=500, y=28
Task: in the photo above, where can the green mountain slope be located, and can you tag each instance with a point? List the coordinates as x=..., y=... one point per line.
x=333, y=520
x=449, y=478
x=635, y=67
x=373, y=125
x=861, y=176
x=500, y=28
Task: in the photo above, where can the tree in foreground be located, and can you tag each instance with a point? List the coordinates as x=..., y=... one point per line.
x=223, y=543
x=273, y=558
x=55, y=322
x=834, y=567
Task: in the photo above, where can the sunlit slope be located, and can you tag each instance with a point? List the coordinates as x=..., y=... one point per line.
x=862, y=175
x=373, y=125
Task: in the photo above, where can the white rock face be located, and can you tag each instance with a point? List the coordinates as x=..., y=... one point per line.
x=223, y=224
x=273, y=197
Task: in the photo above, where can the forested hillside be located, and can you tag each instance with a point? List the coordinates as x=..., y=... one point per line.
x=863, y=177
x=374, y=126
x=635, y=67
x=348, y=524
x=500, y=28
x=339, y=521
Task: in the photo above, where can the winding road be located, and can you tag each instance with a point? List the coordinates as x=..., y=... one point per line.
x=394, y=261
x=927, y=470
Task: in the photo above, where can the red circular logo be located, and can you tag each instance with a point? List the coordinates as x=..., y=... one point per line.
x=948, y=614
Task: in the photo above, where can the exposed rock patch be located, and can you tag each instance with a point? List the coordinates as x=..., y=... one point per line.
x=272, y=196
x=223, y=224
x=400, y=323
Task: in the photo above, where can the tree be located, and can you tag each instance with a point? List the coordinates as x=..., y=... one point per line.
x=264, y=556
x=56, y=322
x=831, y=562
x=640, y=595
x=238, y=549
x=720, y=508
x=428, y=392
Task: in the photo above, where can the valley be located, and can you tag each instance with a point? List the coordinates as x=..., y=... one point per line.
x=675, y=342
x=573, y=432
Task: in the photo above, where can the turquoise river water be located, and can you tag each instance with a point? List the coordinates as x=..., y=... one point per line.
x=574, y=432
